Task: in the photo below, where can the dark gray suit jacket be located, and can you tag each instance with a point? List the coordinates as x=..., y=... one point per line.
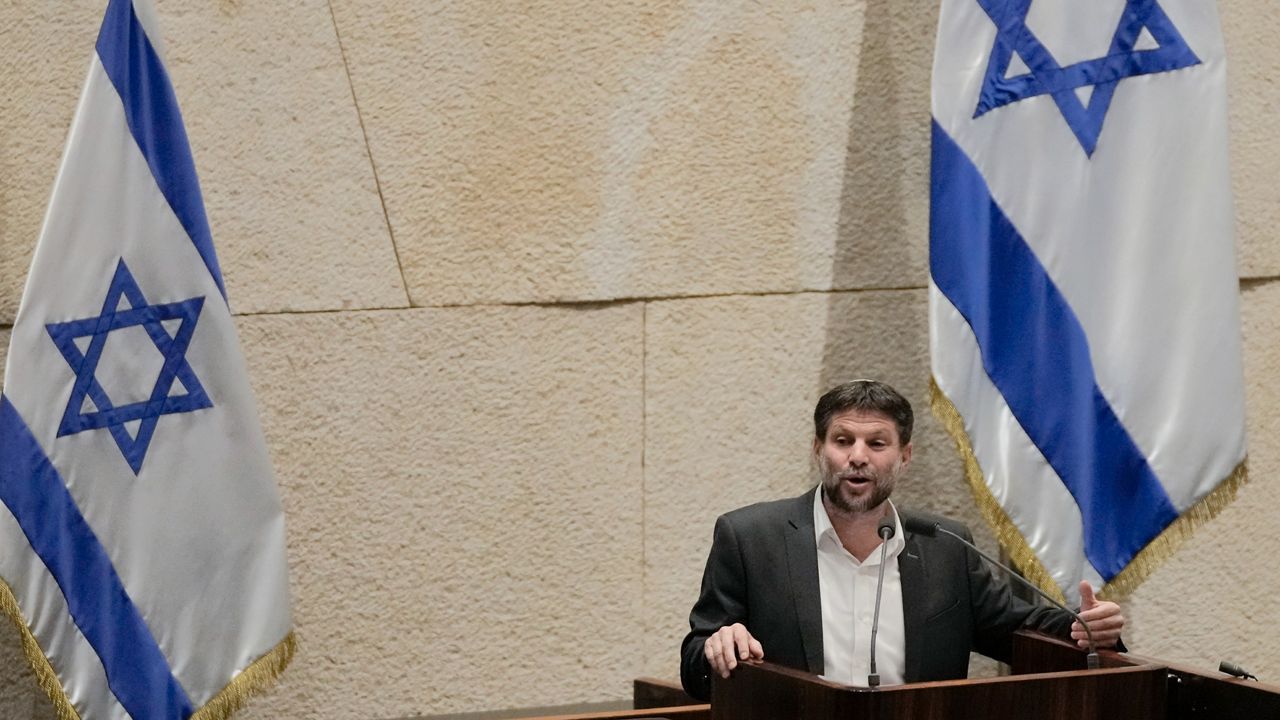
x=763, y=572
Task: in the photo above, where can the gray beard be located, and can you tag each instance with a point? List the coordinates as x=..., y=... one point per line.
x=882, y=488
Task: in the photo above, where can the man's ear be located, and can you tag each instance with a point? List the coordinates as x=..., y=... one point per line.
x=906, y=455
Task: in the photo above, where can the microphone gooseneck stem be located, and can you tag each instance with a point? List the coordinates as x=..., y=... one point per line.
x=1091, y=660
x=873, y=678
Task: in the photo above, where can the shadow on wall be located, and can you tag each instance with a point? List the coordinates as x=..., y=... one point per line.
x=879, y=328
x=883, y=216
x=880, y=237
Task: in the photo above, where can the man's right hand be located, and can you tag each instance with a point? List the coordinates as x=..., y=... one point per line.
x=728, y=645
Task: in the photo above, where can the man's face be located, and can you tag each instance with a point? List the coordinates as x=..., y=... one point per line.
x=860, y=460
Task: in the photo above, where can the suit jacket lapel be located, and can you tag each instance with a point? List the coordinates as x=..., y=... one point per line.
x=915, y=585
x=802, y=566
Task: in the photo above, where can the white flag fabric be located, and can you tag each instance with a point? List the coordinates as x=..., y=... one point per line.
x=1084, y=323
x=142, y=543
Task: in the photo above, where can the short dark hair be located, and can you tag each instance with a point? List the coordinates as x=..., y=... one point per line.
x=867, y=396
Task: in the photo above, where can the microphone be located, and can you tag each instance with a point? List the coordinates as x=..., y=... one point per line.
x=1233, y=669
x=885, y=529
x=932, y=529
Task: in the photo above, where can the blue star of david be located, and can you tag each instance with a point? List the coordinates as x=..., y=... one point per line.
x=172, y=347
x=1047, y=77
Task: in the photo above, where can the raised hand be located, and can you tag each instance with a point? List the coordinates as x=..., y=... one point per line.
x=1103, y=616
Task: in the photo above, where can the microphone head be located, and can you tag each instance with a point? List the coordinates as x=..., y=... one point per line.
x=886, y=527
x=921, y=526
x=1233, y=669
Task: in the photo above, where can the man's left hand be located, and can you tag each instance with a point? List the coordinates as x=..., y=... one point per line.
x=1103, y=616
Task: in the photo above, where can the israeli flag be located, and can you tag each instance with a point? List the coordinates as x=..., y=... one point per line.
x=1084, y=327
x=142, y=544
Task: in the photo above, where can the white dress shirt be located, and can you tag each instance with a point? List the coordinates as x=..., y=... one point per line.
x=848, y=590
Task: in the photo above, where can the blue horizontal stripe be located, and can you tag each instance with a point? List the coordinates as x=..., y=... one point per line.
x=36, y=495
x=151, y=110
x=1037, y=355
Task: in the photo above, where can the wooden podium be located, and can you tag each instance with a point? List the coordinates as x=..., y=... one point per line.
x=1049, y=683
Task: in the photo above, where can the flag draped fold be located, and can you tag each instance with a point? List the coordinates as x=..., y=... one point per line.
x=142, y=543
x=1084, y=323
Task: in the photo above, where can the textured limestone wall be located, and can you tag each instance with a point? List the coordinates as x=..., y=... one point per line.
x=531, y=292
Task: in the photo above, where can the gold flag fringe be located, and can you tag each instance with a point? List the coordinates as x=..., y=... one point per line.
x=1006, y=532
x=45, y=675
x=1139, y=568
x=1179, y=531
x=254, y=679
x=260, y=674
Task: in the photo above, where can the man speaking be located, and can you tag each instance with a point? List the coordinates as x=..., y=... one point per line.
x=794, y=581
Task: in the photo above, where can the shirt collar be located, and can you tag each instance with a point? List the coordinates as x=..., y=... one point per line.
x=822, y=527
